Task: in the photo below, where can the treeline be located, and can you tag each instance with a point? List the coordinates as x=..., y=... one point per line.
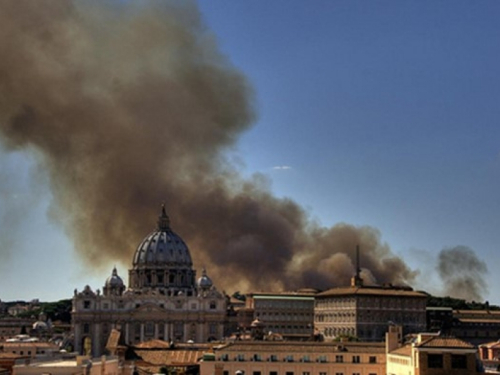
x=458, y=304
x=55, y=311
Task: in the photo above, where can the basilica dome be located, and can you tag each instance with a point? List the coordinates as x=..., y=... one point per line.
x=162, y=246
x=162, y=262
x=114, y=281
x=204, y=282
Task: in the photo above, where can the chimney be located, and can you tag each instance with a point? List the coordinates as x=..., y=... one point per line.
x=356, y=280
x=393, y=337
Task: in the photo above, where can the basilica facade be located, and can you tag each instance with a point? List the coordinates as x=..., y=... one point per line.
x=163, y=300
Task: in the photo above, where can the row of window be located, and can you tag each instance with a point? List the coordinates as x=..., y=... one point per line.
x=458, y=361
x=178, y=305
x=303, y=373
x=371, y=302
x=21, y=352
x=304, y=358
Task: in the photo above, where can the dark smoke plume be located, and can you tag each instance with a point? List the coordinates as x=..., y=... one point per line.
x=126, y=106
x=462, y=273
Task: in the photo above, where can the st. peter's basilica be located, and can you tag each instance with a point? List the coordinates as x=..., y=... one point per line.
x=163, y=299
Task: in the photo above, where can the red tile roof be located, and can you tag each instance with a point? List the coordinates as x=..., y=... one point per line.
x=445, y=342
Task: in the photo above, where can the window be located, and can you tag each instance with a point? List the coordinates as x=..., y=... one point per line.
x=435, y=361
x=257, y=358
x=212, y=329
x=256, y=373
x=339, y=373
x=289, y=358
x=273, y=358
x=86, y=328
x=240, y=357
x=161, y=331
x=306, y=358
x=355, y=359
x=289, y=373
x=225, y=372
x=306, y=373
x=322, y=359
x=458, y=361
x=106, y=306
x=322, y=373
x=149, y=329
x=137, y=331
x=86, y=304
x=213, y=305
x=372, y=359
x=339, y=358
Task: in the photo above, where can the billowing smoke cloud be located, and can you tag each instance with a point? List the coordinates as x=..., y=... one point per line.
x=462, y=273
x=126, y=106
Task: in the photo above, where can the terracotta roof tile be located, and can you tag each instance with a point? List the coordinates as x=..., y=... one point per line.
x=445, y=342
x=491, y=345
x=153, y=344
x=404, y=350
x=164, y=357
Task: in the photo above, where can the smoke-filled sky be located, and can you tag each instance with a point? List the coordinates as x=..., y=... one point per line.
x=280, y=135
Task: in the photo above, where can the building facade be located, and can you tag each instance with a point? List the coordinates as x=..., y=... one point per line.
x=476, y=326
x=164, y=300
x=429, y=354
x=290, y=314
x=295, y=358
x=365, y=312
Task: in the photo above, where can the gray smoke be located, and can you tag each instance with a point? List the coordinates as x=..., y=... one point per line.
x=462, y=273
x=126, y=106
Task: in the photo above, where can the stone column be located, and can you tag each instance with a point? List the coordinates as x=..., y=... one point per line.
x=127, y=329
x=96, y=341
x=156, y=330
x=142, y=332
x=78, y=338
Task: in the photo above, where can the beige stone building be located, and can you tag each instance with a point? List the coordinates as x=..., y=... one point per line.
x=429, y=354
x=164, y=300
x=31, y=349
x=366, y=311
x=290, y=314
x=476, y=326
x=295, y=358
x=75, y=366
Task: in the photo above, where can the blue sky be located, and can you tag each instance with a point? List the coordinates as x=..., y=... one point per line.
x=384, y=113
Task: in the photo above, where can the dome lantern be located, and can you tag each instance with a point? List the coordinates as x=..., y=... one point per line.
x=163, y=220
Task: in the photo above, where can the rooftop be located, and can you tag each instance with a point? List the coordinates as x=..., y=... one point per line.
x=372, y=291
x=289, y=347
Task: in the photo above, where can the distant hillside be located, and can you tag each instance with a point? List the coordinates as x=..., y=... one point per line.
x=458, y=304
